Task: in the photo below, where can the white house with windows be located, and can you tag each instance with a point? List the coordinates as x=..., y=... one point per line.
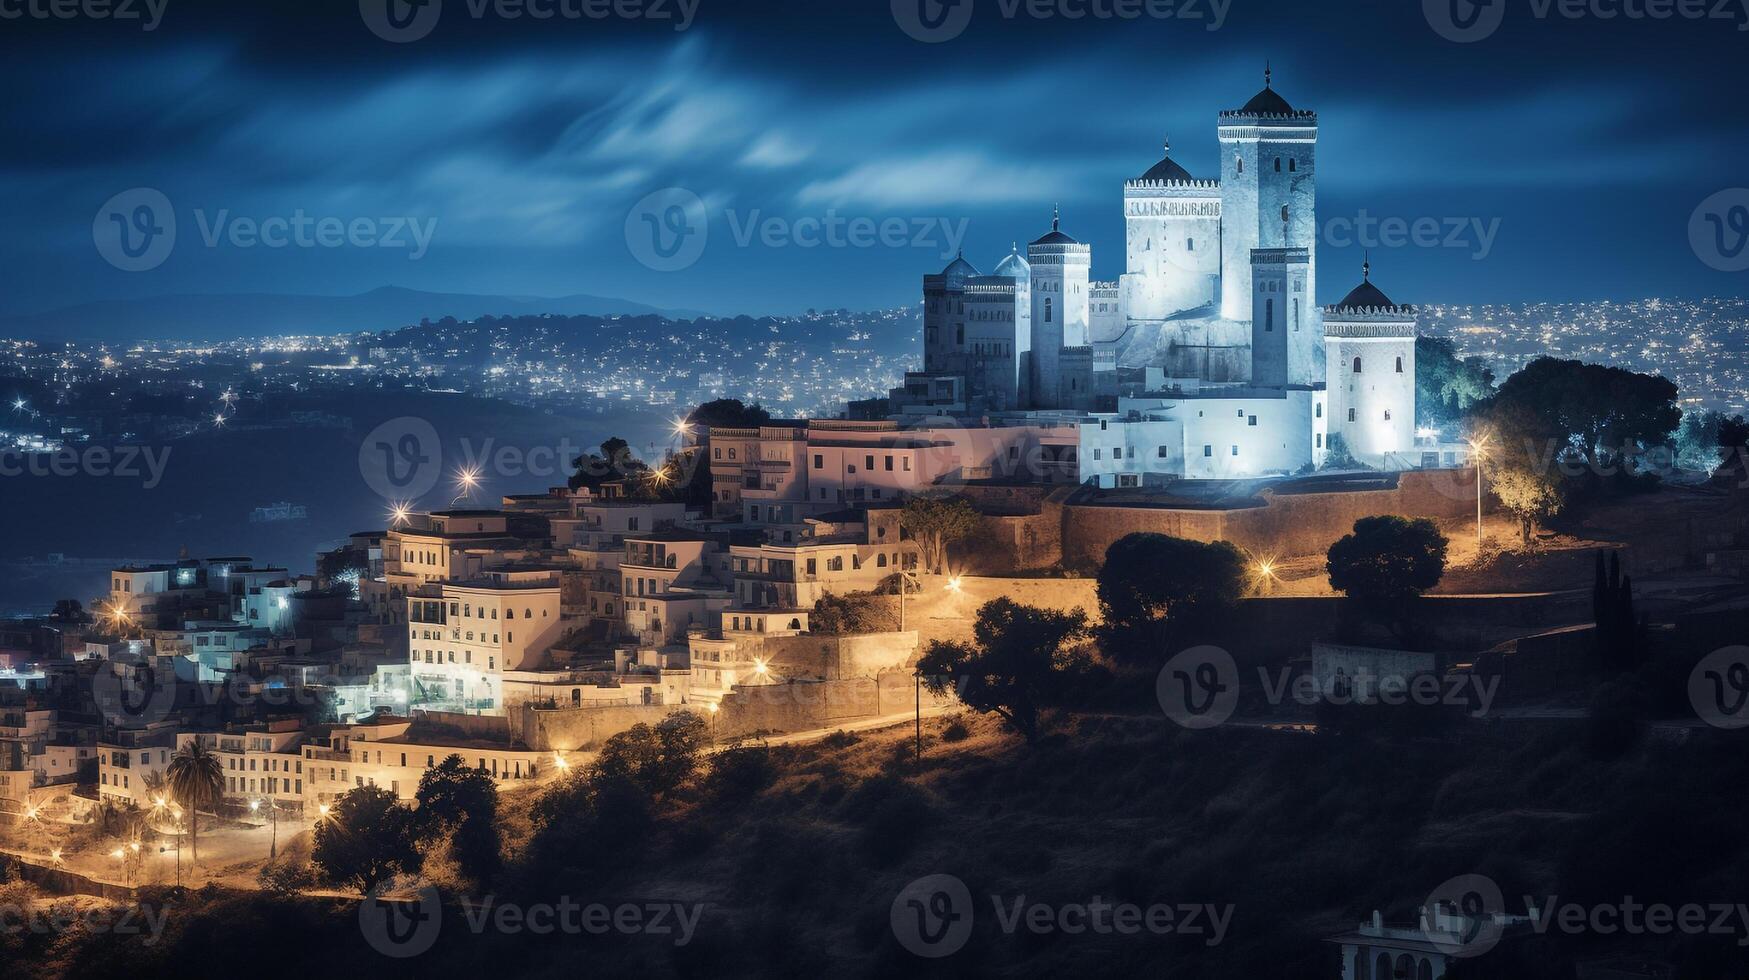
x=463, y=636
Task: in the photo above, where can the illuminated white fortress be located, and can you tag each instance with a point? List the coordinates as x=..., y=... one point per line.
x=1210, y=355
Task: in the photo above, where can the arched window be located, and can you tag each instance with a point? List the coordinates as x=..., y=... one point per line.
x=1240, y=163
x=880, y=561
x=1382, y=967
x=1190, y=244
x=1399, y=365
x=1291, y=165
x=1278, y=164
x=1357, y=365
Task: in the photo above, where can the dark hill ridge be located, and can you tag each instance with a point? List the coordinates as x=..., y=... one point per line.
x=231, y=316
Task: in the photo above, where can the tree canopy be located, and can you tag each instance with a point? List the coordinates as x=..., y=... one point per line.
x=1447, y=386
x=729, y=413
x=1557, y=411
x=656, y=759
x=936, y=522
x=614, y=461
x=463, y=801
x=1153, y=587
x=1387, y=559
x=1018, y=663
x=366, y=839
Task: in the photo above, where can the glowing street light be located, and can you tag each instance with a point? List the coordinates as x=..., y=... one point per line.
x=1264, y=570
x=467, y=480
x=953, y=583
x=1479, y=452
x=559, y=762
x=682, y=428
x=400, y=513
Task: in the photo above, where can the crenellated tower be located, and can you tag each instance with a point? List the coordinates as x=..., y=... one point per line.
x=1060, y=267
x=1268, y=191
x=1172, y=242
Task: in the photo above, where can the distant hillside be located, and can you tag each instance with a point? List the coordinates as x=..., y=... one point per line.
x=227, y=317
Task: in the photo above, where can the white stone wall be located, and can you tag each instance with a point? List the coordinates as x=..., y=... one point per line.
x=1381, y=396
x=1118, y=452
x=1221, y=441
x=1172, y=247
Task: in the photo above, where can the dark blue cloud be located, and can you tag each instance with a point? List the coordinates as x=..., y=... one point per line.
x=1583, y=145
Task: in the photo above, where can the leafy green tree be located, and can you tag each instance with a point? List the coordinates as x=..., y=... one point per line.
x=1447, y=386
x=578, y=824
x=1557, y=411
x=1387, y=564
x=196, y=780
x=1529, y=496
x=1733, y=439
x=1697, y=440
x=1337, y=455
x=853, y=613
x=740, y=771
x=464, y=802
x=729, y=413
x=366, y=839
x=1154, y=589
x=615, y=461
x=936, y=522
x=1020, y=661
x=657, y=759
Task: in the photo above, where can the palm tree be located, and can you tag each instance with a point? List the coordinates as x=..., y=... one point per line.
x=196, y=780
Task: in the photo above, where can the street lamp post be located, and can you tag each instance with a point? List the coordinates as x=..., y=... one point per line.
x=1478, y=451
x=273, y=811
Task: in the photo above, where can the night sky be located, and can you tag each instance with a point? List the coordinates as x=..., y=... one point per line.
x=1582, y=145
